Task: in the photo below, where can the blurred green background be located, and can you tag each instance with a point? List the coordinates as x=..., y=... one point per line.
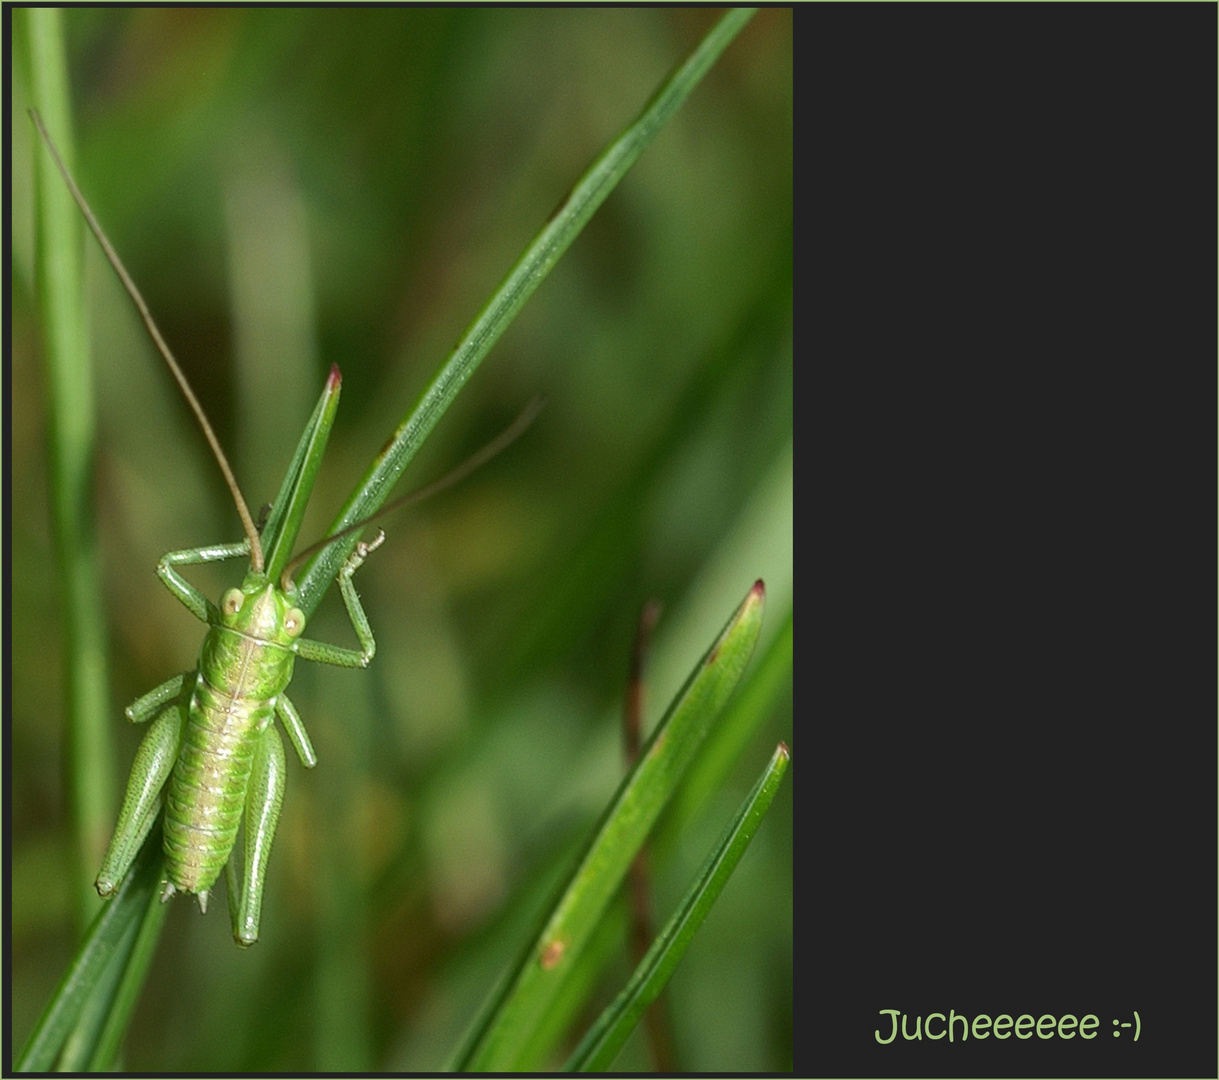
x=293, y=189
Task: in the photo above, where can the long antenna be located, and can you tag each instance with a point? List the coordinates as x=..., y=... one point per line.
x=247, y=522
x=479, y=458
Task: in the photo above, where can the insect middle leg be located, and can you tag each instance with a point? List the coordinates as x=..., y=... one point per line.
x=148, y=705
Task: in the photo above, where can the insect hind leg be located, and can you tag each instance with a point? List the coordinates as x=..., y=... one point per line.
x=153, y=763
x=264, y=798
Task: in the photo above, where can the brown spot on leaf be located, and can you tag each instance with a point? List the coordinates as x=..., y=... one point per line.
x=553, y=953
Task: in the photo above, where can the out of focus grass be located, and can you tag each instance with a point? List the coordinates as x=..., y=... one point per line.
x=298, y=188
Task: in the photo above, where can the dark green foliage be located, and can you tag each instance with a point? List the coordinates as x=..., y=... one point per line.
x=295, y=188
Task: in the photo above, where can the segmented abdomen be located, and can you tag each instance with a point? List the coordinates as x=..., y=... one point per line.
x=206, y=794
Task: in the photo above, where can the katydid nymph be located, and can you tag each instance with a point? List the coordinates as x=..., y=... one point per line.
x=212, y=760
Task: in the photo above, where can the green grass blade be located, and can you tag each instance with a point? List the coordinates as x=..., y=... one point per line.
x=600, y=1046
x=769, y=680
x=90, y=1007
x=523, y=279
x=756, y=697
x=131, y=984
x=70, y=383
x=288, y=510
x=569, y=1011
x=538, y=977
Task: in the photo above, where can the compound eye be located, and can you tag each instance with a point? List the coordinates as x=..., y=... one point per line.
x=294, y=622
x=231, y=603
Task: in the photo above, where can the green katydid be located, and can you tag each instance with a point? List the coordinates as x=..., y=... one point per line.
x=212, y=759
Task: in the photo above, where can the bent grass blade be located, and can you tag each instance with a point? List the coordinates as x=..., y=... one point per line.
x=606, y=1037
x=498, y=1042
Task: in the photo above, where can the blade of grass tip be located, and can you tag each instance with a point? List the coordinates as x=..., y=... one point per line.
x=600, y=1046
x=538, y=976
x=288, y=511
x=70, y=396
x=73, y=1018
x=769, y=678
x=539, y=258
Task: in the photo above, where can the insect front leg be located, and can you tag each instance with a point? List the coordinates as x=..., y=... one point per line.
x=264, y=798
x=200, y=606
x=153, y=763
x=308, y=649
